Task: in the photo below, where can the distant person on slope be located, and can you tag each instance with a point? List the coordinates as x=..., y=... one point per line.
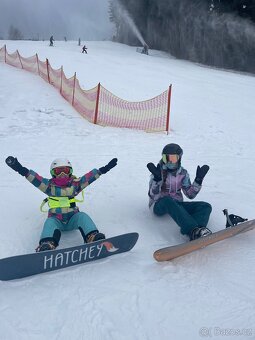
x=84, y=49
x=145, y=49
x=168, y=180
x=51, y=40
x=63, y=214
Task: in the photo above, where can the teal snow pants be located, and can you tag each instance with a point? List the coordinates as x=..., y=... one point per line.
x=187, y=215
x=52, y=227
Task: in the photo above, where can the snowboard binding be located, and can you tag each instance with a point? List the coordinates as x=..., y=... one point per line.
x=233, y=220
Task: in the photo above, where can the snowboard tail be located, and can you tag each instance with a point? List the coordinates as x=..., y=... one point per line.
x=20, y=266
x=169, y=253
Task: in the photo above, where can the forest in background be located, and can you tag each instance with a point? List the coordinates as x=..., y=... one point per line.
x=220, y=33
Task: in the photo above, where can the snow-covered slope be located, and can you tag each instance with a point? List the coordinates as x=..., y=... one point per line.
x=129, y=296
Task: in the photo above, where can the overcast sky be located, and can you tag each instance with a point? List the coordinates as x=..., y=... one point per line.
x=87, y=19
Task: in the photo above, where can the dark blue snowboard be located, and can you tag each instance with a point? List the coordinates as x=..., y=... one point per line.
x=16, y=267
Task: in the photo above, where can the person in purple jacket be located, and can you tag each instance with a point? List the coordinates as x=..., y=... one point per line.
x=167, y=183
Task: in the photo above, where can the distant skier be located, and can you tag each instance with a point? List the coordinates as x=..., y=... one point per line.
x=51, y=40
x=84, y=49
x=79, y=42
x=167, y=181
x=63, y=214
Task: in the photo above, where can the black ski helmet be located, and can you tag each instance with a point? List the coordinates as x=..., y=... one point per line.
x=171, y=149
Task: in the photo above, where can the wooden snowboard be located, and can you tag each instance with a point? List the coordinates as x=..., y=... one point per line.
x=169, y=253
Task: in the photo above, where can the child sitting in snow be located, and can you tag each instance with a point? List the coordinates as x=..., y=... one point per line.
x=63, y=214
x=167, y=181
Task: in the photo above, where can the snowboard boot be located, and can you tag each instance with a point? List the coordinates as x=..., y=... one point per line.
x=46, y=245
x=199, y=232
x=94, y=236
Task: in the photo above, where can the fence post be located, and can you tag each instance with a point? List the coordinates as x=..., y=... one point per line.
x=61, y=80
x=5, y=53
x=37, y=64
x=168, y=109
x=47, y=65
x=97, y=103
x=74, y=81
x=19, y=59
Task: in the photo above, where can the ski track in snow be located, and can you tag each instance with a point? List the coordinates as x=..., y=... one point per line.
x=128, y=296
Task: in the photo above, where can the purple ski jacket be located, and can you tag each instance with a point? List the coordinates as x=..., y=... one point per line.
x=172, y=185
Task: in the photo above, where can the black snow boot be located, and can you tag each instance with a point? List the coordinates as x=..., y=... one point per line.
x=199, y=232
x=94, y=236
x=46, y=245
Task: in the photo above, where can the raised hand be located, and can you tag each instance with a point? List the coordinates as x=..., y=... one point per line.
x=156, y=171
x=201, y=172
x=109, y=166
x=13, y=163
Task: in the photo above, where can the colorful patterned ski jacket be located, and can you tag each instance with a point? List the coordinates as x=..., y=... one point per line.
x=73, y=188
x=172, y=185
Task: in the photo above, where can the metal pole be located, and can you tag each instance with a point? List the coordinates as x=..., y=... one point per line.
x=37, y=63
x=97, y=103
x=168, y=109
x=19, y=59
x=61, y=82
x=74, y=87
x=47, y=64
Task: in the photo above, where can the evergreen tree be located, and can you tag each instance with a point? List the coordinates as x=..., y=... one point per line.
x=14, y=33
x=213, y=32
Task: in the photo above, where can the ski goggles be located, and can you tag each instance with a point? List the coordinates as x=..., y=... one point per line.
x=62, y=169
x=170, y=158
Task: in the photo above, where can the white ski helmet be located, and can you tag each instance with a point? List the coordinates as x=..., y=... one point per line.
x=60, y=162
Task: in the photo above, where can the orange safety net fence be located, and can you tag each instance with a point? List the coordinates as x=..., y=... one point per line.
x=149, y=115
x=98, y=105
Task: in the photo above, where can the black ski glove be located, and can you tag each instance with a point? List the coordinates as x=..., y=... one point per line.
x=16, y=166
x=156, y=171
x=109, y=166
x=201, y=172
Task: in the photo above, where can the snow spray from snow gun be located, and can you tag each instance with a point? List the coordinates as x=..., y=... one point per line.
x=125, y=16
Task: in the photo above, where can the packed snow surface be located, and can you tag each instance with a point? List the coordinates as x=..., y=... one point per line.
x=209, y=293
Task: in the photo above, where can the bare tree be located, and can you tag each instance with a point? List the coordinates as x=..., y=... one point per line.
x=14, y=33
